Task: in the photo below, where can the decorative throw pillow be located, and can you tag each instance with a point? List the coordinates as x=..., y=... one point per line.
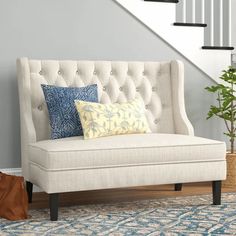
x=111, y=119
x=64, y=118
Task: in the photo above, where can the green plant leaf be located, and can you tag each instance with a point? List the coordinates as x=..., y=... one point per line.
x=226, y=101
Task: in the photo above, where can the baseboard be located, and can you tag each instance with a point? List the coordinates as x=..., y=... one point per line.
x=17, y=171
x=12, y=171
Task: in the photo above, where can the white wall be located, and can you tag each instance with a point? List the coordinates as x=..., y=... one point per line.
x=77, y=29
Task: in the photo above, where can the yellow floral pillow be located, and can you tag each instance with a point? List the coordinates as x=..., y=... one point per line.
x=100, y=120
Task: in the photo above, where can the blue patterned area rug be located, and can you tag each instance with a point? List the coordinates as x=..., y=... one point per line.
x=193, y=215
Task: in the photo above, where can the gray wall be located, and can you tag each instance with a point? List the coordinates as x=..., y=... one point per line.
x=81, y=29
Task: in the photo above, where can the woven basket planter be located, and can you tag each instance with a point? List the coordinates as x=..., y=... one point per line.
x=231, y=170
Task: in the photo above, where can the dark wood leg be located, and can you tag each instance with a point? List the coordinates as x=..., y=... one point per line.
x=216, y=191
x=178, y=187
x=53, y=205
x=29, y=189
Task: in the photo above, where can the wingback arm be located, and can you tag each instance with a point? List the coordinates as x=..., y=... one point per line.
x=28, y=134
x=181, y=121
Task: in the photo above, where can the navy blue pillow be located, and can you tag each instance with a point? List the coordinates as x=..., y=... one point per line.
x=64, y=118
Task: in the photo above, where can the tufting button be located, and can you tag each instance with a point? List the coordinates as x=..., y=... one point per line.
x=146, y=106
x=78, y=72
x=144, y=73
x=59, y=72
x=154, y=89
x=156, y=121
x=40, y=107
x=121, y=89
x=111, y=73
x=104, y=88
x=41, y=72
x=95, y=72
x=137, y=89
x=159, y=73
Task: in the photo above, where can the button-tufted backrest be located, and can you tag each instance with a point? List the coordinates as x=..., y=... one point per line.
x=159, y=84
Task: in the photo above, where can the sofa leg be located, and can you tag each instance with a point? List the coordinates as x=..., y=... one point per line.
x=53, y=205
x=216, y=191
x=178, y=187
x=29, y=189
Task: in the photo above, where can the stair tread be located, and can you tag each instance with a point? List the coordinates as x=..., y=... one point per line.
x=190, y=24
x=218, y=47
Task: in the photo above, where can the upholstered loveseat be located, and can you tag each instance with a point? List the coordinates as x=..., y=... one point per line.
x=170, y=154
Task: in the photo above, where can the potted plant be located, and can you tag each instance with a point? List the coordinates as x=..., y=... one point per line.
x=226, y=110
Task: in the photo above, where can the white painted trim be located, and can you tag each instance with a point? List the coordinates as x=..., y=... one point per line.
x=212, y=23
x=203, y=12
x=230, y=23
x=184, y=10
x=12, y=171
x=221, y=23
x=193, y=11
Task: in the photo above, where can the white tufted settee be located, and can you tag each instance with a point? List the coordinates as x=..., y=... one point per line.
x=171, y=154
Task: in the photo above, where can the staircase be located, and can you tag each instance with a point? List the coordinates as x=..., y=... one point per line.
x=200, y=30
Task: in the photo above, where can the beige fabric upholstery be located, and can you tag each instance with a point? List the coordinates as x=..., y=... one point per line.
x=124, y=150
x=75, y=164
x=117, y=82
x=103, y=178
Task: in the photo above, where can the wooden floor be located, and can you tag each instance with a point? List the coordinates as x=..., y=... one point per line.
x=40, y=200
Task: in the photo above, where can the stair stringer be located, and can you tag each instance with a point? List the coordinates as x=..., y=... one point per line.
x=159, y=18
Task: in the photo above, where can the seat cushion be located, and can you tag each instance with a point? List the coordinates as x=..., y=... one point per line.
x=124, y=150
